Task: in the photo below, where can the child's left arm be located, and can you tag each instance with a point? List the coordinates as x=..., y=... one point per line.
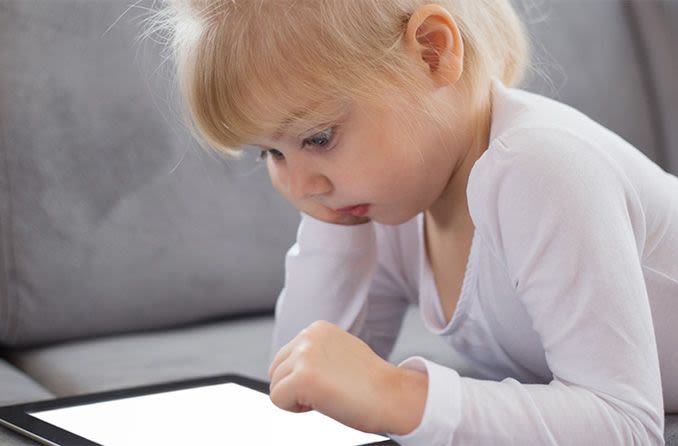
x=570, y=228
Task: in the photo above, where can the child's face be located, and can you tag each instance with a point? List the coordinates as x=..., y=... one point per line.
x=396, y=161
x=369, y=157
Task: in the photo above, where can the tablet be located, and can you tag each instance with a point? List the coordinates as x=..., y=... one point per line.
x=219, y=410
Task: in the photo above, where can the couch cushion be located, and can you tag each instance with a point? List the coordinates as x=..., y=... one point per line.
x=228, y=346
x=671, y=430
x=599, y=69
x=656, y=27
x=240, y=346
x=16, y=387
x=112, y=220
x=98, y=364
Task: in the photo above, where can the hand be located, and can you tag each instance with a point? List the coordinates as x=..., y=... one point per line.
x=311, y=207
x=329, y=370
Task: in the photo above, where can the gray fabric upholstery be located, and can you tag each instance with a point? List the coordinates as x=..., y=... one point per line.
x=16, y=387
x=239, y=346
x=229, y=346
x=585, y=56
x=112, y=219
x=671, y=430
x=656, y=27
x=98, y=364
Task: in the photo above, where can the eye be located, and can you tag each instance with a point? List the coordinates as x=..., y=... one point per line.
x=321, y=139
x=276, y=154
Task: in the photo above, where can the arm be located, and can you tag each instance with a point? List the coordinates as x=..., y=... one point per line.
x=570, y=231
x=340, y=274
x=337, y=319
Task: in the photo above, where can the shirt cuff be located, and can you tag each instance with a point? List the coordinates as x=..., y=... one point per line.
x=317, y=234
x=442, y=412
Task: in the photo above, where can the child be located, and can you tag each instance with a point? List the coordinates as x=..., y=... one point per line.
x=537, y=243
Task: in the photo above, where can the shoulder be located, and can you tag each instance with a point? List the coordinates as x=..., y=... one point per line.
x=532, y=135
x=540, y=178
x=540, y=161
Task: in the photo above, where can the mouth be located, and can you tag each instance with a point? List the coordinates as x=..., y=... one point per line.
x=359, y=210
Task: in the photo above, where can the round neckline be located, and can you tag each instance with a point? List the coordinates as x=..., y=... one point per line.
x=430, y=306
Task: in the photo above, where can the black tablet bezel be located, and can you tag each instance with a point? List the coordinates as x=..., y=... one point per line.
x=17, y=417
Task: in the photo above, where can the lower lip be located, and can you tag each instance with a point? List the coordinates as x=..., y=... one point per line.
x=358, y=211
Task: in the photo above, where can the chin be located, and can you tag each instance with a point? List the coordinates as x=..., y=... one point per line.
x=394, y=219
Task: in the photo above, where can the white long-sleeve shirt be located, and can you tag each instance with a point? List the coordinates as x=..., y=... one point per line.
x=569, y=302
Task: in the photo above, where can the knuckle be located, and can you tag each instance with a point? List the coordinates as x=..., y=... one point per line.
x=305, y=375
x=319, y=325
x=304, y=332
x=304, y=349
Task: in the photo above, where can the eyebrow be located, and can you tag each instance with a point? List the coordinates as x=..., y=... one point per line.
x=296, y=116
x=342, y=112
x=283, y=126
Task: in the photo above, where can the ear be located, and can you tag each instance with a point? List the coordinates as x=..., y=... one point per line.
x=432, y=36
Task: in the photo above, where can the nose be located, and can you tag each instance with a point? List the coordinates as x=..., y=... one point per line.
x=306, y=183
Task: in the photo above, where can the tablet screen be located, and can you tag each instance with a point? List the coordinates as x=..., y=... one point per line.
x=228, y=414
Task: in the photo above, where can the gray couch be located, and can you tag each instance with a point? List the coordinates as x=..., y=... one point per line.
x=129, y=256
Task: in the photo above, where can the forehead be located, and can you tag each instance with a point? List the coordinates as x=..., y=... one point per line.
x=295, y=119
x=309, y=117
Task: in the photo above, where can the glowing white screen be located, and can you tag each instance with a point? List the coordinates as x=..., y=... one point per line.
x=222, y=414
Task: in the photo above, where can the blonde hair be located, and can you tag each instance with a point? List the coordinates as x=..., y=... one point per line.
x=246, y=66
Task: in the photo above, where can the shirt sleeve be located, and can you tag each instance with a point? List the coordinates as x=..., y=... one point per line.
x=568, y=226
x=338, y=273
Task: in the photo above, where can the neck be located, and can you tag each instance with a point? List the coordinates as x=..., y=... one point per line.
x=450, y=210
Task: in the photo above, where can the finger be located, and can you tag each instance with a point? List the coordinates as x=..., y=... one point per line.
x=284, y=370
x=282, y=355
x=298, y=408
x=281, y=371
x=285, y=395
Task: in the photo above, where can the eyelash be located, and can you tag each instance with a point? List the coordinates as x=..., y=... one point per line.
x=278, y=156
